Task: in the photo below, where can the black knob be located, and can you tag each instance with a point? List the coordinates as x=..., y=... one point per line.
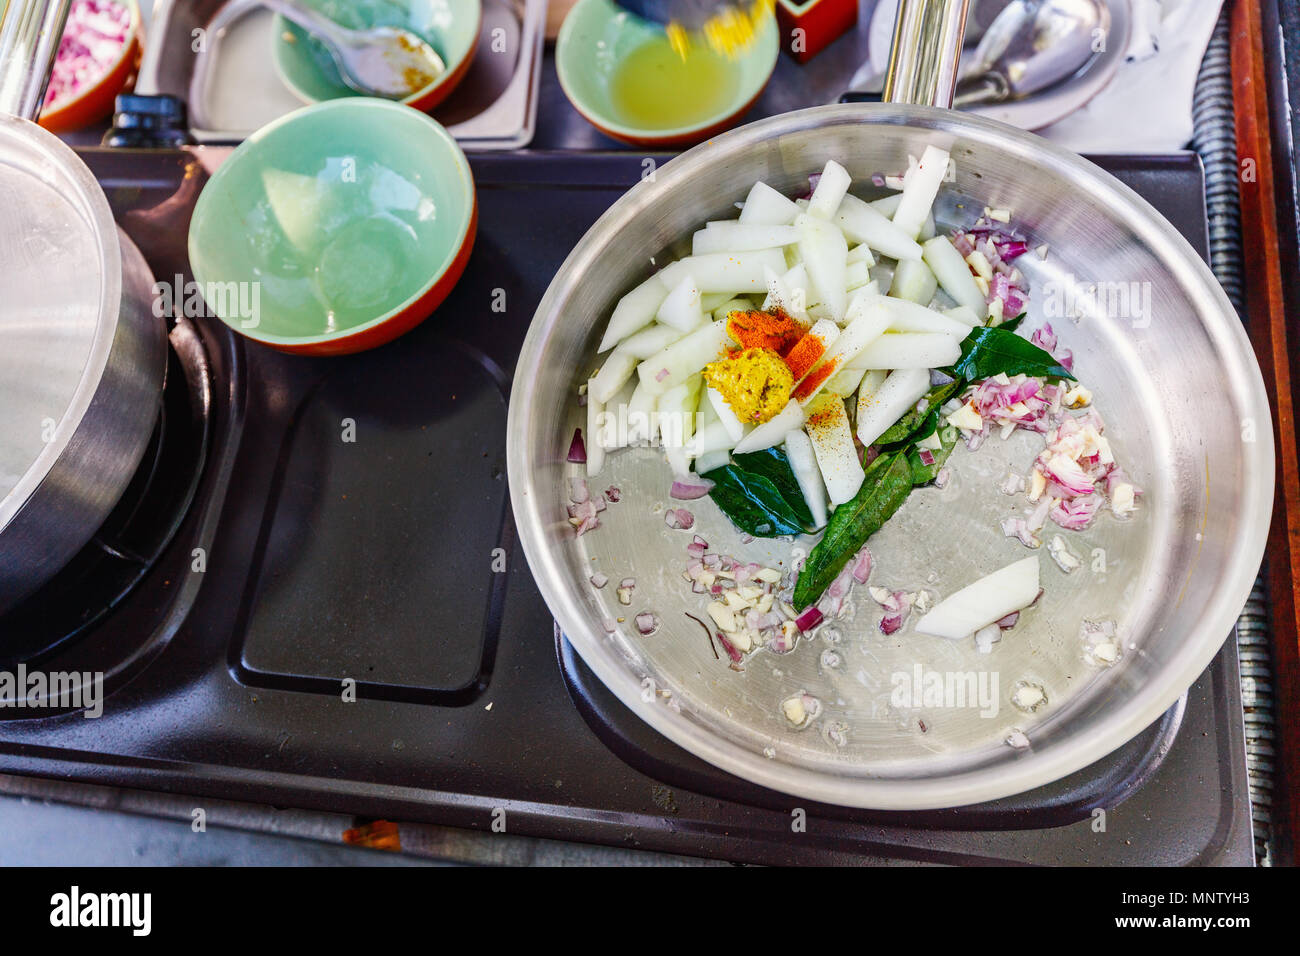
x=158, y=121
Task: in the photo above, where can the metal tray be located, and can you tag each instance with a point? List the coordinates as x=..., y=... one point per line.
x=232, y=86
x=224, y=685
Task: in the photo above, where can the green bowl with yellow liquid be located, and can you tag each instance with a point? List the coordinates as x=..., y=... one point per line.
x=623, y=76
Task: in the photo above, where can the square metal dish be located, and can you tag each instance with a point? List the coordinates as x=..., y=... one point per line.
x=216, y=55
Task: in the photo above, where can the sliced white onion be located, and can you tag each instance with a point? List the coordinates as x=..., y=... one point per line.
x=773, y=431
x=832, y=440
x=913, y=281
x=681, y=308
x=953, y=274
x=831, y=187
x=881, y=407
x=863, y=223
x=984, y=602
x=803, y=462
x=764, y=206
x=611, y=377
x=735, y=272
x=920, y=350
x=741, y=237
x=595, y=420
x=679, y=361
x=919, y=190
x=825, y=254
x=734, y=426
x=633, y=311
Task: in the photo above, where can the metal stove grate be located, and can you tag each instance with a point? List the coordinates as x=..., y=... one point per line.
x=1215, y=139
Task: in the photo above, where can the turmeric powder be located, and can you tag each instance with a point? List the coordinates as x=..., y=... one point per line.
x=755, y=382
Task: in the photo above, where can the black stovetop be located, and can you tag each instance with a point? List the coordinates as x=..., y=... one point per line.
x=372, y=560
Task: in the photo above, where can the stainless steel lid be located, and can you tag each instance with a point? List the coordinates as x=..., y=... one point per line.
x=61, y=282
x=60, y=292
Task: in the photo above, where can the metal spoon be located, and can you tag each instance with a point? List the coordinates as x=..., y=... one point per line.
x=382, y=61
x=1031, y=45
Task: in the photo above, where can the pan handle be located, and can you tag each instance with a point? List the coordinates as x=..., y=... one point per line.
x=923, y=58
x=29, y=39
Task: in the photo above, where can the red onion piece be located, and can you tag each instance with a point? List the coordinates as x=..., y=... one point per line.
x=735, y=655
x=862, y=566
x=1009, y=621
x=679, y=519
x=599, y=580
x=577, y=448
x=684, y=490
x=809, y=619
x=647, y=622
x=613, y=494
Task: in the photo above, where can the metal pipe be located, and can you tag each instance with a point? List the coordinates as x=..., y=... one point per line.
x=923, y=58
x=30, y=31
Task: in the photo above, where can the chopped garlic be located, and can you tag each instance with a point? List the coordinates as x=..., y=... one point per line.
x=1042, y=251
x=1062, y=555
x=735, y=602
x=1077, y=397
x=995, y=312
x=768, y=575
x=966, y=418
x=793, y=709
x=1037, y=484
x=722, y=616
x=1122, y=500
x=998, y=215
x=1029, y=697
x=980, y=263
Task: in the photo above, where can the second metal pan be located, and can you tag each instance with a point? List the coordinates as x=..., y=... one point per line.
x=1185, y=408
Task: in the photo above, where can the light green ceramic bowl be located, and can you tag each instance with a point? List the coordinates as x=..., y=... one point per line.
x=335, y=228
x=451, y=27
x=595, y=41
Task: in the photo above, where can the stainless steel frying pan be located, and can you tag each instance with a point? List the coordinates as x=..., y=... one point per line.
x=1175, y=380
x=82, y=356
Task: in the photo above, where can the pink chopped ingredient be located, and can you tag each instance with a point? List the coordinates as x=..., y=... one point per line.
x=647, y=622
x=690, y=490
x=613, y=494
x=732, y=652
x=92, y=42
x=599, y=580
x=577, y=449
x=1076, y=514
x=808, y=619
x=1044, y=337
x=679, y=519
x=578, y=490
x=862, y=566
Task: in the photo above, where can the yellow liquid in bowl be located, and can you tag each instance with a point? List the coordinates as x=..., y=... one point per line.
x=654, y=88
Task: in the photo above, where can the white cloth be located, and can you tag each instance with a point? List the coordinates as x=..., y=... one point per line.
x=1147, y=107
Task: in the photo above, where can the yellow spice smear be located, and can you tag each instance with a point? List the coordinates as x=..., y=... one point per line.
x=729, y=31
x=654, y=88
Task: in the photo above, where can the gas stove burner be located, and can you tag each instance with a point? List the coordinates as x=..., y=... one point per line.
x=141, y=525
